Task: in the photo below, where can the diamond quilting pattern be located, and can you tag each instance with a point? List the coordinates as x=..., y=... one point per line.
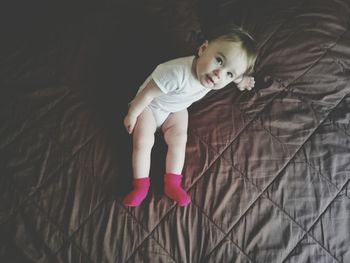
x=259, y=235
x=338, y=227
x=268, y=170
x=306, y=198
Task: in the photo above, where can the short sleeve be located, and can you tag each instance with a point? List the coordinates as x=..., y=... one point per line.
x=167, y=77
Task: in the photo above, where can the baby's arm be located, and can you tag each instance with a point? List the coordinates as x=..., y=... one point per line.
x=139, y=103
x=246, y=82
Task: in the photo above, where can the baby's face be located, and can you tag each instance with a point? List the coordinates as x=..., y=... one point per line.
x=219, y=63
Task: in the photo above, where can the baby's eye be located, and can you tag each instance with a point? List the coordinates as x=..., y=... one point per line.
x=219, y=60
x=230, y=75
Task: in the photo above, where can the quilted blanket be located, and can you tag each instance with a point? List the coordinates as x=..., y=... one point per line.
x=268, y=170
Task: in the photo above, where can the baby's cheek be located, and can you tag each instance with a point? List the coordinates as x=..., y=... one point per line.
x=239, y=79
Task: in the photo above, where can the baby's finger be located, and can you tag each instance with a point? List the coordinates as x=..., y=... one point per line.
x=129, y=129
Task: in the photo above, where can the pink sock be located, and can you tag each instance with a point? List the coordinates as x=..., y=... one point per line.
x=139, y=193
x=173, y=189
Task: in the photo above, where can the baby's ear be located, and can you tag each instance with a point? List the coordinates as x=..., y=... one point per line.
x=203, y=47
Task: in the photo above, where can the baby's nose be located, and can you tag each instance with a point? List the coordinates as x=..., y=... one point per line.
x=217, y=73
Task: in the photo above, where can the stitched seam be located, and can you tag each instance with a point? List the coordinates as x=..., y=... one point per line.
x=49, y=178
x=337, y=127
x=29, y=198
x=222, y=231
x=323, y=176
x=341, y=129
x=315, y=222
x=336, y=59
x=210, y=165
x=346, y=134
x=319, y=58
x=68, y=238
x=283, y=24
x=71, y=239
x=285, y=146
x=82, y=251
x=150, y=232
x=209, y=146
x=306, y=162
x=288, y=87
x=233, y=139
x=261, y=192
x=34, y=122
x=148, y=235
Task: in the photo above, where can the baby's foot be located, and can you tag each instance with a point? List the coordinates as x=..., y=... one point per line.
x=247, y=83
x=173, y=189
x=139, y=193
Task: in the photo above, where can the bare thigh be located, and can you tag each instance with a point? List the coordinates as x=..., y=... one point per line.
x=175, y=128
x=143, y=134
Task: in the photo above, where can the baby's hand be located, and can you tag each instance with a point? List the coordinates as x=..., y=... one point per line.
x=247, y=83
x=129, y=123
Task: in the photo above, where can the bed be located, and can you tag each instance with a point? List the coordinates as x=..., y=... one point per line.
x=268, y=170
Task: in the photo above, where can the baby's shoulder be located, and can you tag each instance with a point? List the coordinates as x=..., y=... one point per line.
x=177, y=63
x=178, y=67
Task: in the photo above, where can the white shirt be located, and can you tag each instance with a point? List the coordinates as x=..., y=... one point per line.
x=179, y=86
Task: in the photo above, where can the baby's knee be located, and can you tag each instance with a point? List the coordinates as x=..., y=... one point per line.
x=177, y=138
x=143, y=142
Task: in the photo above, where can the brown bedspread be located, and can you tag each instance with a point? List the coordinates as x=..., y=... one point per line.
x=268, y=170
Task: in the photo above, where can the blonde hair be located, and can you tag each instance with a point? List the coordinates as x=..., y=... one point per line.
x=235, y=34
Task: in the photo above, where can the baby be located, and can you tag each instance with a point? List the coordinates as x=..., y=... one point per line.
x=163, y=99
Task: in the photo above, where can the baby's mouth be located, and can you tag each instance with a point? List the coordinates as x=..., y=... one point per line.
x=210, y=80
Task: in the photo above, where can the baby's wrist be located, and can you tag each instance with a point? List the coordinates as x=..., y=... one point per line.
x=132, y=113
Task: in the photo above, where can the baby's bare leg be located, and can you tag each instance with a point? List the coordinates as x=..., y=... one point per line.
x=175, y=135
x=143, y=140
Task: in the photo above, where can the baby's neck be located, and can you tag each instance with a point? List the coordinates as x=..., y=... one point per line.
x=193, y=67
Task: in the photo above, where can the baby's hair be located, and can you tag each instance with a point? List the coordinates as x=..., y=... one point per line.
x=232, y=32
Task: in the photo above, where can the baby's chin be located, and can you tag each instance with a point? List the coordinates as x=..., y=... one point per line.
x=203, y=81
x=212, y=87
x=215, y=88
